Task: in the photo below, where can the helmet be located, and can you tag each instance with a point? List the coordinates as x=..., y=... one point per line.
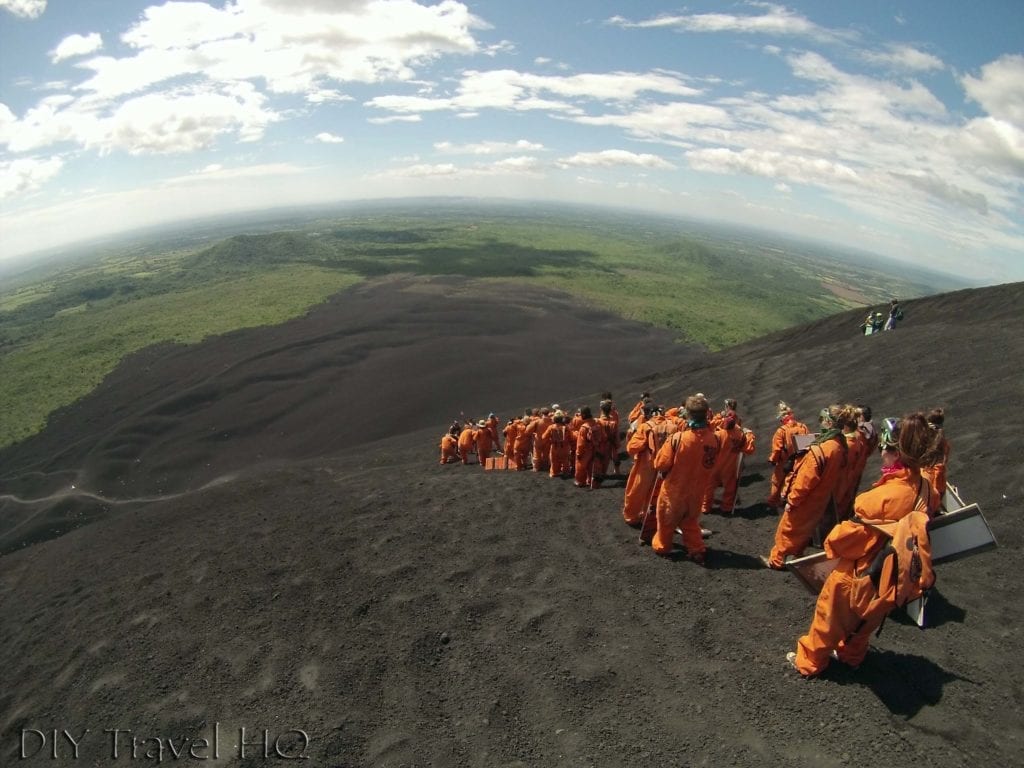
x=890, y=434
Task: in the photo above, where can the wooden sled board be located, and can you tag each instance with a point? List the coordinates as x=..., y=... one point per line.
x=812, y=570
x=496, y=462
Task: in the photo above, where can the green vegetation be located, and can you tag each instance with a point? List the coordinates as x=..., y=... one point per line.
x=75, y=349
x=64, y=327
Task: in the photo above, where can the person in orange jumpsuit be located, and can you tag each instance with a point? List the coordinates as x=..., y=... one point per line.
x=936, y=472
x=450, y=446
x=732, y=444
x=524, y=441
x=810, y=486
x=492, y=427
x=840, y=624
x=849, y=479
x=636, y=414
x=610, y=420
x=783, y=449
x=642, y=484
x=484, y=442
x=685, y=462
x=590, y=448
x=467, y=442
x=557, y=436
x=509, y=433
x=536, y=430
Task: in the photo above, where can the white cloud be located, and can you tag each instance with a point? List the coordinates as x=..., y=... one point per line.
x=1000, y=89
x=215, y=172
x=776, y=20
x=488, y=147
x=610, y=158
x=26, y=174
x=76, y=45
x=904, y=57
x=26, y=9
x=183, y=121
x=329, y=138
x=395, y=119
x=774, y=165
x=943, y=190
x=510, y=89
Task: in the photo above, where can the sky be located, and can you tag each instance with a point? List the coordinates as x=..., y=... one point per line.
x=892, y=126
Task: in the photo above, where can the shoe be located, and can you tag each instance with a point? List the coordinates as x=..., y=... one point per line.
x=834, y=655
x=705, y=532
x=768, y=563
x=791, y=658
x=581, y=485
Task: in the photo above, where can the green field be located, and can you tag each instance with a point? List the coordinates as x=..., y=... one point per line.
x=64, y=327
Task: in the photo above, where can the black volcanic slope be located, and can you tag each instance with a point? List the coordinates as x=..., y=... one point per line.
x=272, y=544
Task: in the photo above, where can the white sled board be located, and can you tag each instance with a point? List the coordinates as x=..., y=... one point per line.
x=803, y=442
x=960, y=533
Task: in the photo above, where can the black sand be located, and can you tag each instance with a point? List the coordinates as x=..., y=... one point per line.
x=310, y=566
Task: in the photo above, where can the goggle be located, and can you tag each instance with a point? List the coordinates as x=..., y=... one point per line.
x=890, y=433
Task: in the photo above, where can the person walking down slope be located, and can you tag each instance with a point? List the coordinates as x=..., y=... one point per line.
x=450, y=445
x=783, y=451
x=848, y=610
x=733, y=443
x=608, y=421
x=685, y=462
x=558, y=436
x=467, y=442
x=484, y=441
x=935, y=472
x=895, y=314
x=642, y=484
x=590, y=447
x=810, y=486
x=536, y=430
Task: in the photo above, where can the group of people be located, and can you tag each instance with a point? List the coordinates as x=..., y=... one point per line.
x=877, y=321
x=681, y=456
x=583, y=446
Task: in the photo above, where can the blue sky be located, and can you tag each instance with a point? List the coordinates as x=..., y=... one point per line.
x=895, y=127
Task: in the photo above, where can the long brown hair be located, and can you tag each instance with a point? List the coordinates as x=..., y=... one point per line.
x=919, y=444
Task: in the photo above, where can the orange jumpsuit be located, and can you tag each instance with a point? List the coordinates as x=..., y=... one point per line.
x=808, y=491
x=686, y=461
x=521, y=450
x=840, y=622
x=467, y=443
x=557, y=437
x=484, y=444
x=849, y=479
x=449, y=449
x=610, y=427
x=643, y=446
x=541, y=448
x=936, y=473
x=782, y=449
x=590, y=446
x=492, y=427
x=510, y=439
x=732, y=444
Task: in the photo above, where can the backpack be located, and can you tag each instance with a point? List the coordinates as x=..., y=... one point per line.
x=902, y=570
